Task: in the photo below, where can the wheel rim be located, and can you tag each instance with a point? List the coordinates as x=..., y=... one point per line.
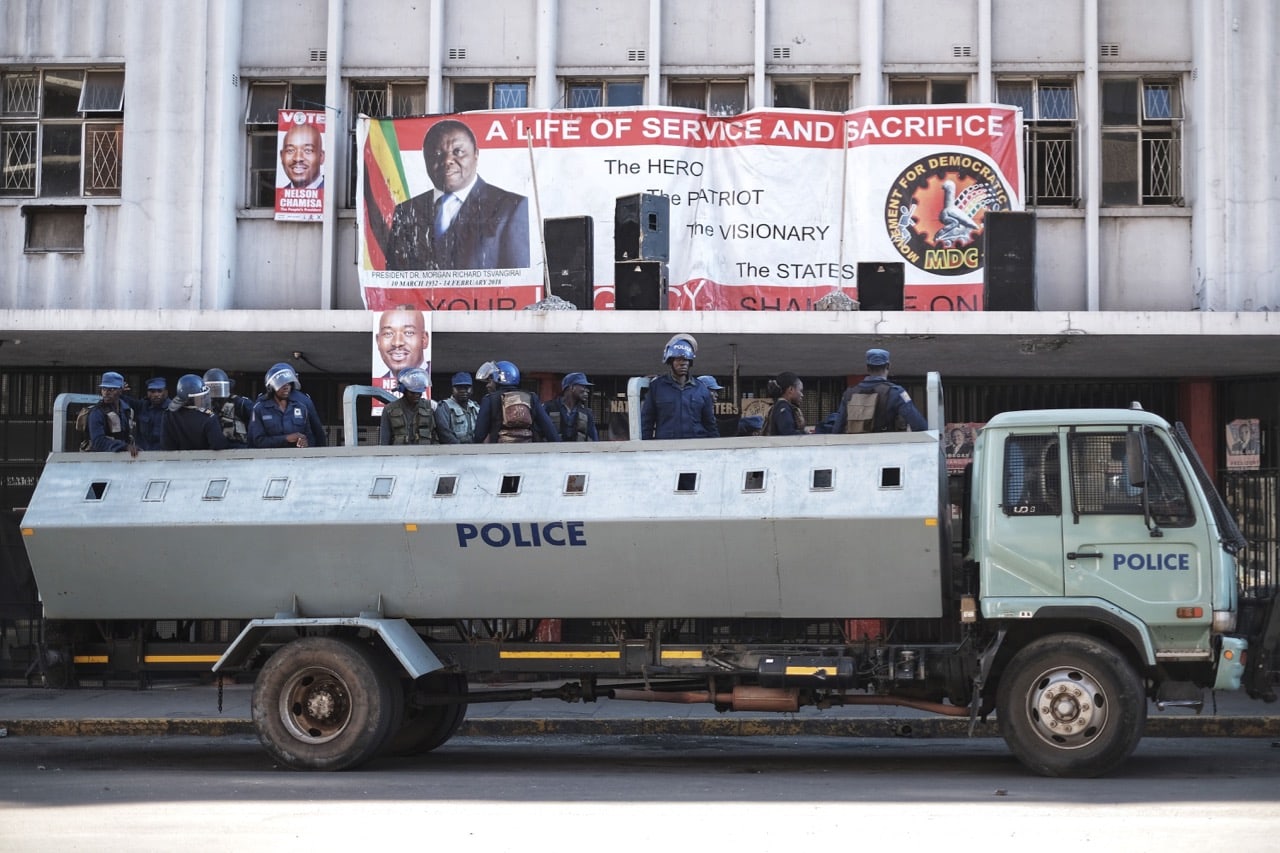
x=315, y=705
x=1067, y=708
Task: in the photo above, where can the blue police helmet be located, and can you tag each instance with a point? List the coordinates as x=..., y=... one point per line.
x=281, y=375
x=574, y=379
x=414, y=379
x=506, y=373
x=461, y=380
x=680, y=348
x=191, y=391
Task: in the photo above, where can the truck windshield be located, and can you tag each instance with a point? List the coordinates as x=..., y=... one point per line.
x=1233, y=540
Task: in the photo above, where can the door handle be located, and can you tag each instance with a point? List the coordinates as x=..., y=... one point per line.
x=1082, y=555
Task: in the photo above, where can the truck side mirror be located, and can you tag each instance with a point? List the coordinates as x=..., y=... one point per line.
x=1135, y=459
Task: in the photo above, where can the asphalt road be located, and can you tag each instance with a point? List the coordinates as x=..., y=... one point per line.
x=670, y=792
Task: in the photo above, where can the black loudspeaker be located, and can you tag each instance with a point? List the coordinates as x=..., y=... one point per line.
x=641, y=226
x=1009, y=255
x=570, y=259
x=640, y=286
x=880, y=286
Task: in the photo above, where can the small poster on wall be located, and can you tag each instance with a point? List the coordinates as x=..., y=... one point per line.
x=1243, y=447
x=958, y=445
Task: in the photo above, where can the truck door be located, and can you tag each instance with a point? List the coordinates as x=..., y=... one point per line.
x=1023, y=554
x=1110, y=551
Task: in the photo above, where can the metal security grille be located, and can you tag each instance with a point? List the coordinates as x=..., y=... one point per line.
x=1162, y=178
x=1032, y=480
x=978, y=401
x=18, y=158
x=1254, y=500
x=102, y=150
x=1098, y=481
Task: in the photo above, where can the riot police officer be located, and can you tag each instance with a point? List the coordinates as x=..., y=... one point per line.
x=188, y=423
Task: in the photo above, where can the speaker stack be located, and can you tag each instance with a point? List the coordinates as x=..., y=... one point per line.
x=641, y=250
x=880, y=286
x=1009, y=257
x=570, y=242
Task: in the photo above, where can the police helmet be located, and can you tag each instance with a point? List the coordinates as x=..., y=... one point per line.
x=462, y=380
x=574, y=379
x=506, y=373
x=219, y=383
x=484, y=371
x=111, y=379
x=281, y=375
x=684, y=338
x=413, y=379
x=679, y=348
x=192, y=391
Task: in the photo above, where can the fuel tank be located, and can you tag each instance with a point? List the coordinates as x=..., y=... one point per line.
x=822, y=527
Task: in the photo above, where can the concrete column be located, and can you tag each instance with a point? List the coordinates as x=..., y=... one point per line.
x=986, y=91
x=435, y=58
x=758, y=86
x=334, y=129
x=1090, y=136
x=871, y=46
x=1197, y=408
x=223, y=157
x=1206, y=141
x=544, y=81
x=653, y=96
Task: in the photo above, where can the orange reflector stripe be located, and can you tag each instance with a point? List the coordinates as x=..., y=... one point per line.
x=180, y=658
x=28, y=531
x=1190, y=612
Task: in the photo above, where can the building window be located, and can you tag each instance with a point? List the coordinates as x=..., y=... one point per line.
x=261, y=121
x=380, y=99
x=720, y=98
x=1049, y=133
x=592, y=94
x=946, y=90
x=490, y=95
x=61, y=132
x=830, y=95
x=1141, y=141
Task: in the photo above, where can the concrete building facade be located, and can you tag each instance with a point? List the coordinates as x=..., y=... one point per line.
x=133, y=129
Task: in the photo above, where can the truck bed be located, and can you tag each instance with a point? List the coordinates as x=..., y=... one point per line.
x=822, y=527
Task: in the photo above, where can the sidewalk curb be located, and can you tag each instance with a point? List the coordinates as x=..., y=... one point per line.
x=870, y=727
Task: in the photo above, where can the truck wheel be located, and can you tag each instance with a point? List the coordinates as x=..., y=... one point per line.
x=325, y=703
x=1071, y=705
x=426, y=728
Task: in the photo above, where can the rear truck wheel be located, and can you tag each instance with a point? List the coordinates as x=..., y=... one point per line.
x=1071, y=705
x=427, y=727
x=325, y=703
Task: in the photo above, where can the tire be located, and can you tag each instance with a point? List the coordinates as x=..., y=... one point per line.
x=1071, y=705
x=325, y=703
x=428, y=727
